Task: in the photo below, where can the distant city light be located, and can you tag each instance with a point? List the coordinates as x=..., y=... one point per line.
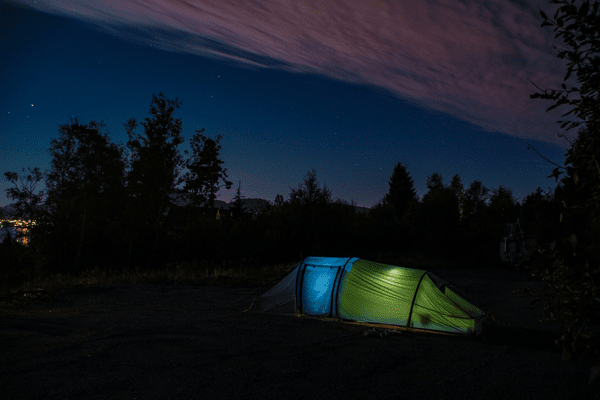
x=16, y=226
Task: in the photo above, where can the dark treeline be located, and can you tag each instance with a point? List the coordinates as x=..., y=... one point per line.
x=113, y=207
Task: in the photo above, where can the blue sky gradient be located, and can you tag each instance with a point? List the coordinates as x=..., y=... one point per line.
x=373, y=97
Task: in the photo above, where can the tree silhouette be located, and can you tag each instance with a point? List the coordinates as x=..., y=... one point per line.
x=85, y=186
x=503, y=203
x=155, y=167
x=439, y=217
x=477, y=233
x=572, y=264
x=540, y=216
x=237, y=206
x=401, y=190
x=205, y=170
x=475, y=200
x=28, y=204
x=434, y=182
x=16, y=261
x=502, y=209
x=309, y=192
x=306, y=211
x=279, y=200
x=459, y=191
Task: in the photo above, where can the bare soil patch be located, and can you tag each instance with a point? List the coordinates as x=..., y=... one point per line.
x=193, y=342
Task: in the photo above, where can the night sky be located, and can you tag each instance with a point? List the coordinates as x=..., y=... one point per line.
x=348, y=88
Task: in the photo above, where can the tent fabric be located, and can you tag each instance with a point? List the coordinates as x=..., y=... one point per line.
x=282, y=297
x=354, y=289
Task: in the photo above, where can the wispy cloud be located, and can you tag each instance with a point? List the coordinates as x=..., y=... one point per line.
x=469, y=58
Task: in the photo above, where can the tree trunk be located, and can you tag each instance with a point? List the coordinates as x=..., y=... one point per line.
x=82, y=231
x=157, y=227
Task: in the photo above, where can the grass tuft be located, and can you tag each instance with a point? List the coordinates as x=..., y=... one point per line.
x=224, y=274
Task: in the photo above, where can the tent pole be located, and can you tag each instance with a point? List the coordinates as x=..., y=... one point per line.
x=414, y=298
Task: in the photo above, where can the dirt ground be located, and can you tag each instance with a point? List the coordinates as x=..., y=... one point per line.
x=195, y=342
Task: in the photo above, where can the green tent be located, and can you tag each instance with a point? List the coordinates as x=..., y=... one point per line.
x=356, y=290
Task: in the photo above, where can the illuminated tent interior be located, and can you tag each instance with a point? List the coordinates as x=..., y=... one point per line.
x=356, y=290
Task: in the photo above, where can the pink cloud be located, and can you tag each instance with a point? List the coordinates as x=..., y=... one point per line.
x=470, y=59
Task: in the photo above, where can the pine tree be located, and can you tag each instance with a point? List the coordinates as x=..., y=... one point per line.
x=439, y=217
x=401, y=191
x=237, y=206
x=435, y=182
x=475, y=200
x=309, y=192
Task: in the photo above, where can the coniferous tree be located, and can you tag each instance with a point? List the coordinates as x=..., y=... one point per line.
x=434, y=182
x=383, y=229
x=503, y=209
x=237, y=206
x=475, y=200
x=308, y=205
x=245, y=233
x=309, y=192
x=477, y=235
x=401, y=190
x=503, y=205
x=439, y=217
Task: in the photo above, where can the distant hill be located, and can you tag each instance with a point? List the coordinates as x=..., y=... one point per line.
x=249, y=204
x=252, y=204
